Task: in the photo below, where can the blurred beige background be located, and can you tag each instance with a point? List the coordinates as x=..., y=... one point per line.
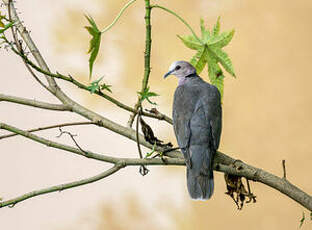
x=267, y=115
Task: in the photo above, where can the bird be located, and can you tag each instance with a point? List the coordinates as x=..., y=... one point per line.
x=197, y=123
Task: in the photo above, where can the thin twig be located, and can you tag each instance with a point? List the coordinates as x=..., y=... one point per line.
x=51, y=127
x=61, y=187
x=158, y=116
x=72, y=136
x=284, y=169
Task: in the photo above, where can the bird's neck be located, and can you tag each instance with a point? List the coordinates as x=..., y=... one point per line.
x=185, y=79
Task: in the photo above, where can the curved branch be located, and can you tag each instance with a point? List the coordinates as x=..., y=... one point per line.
x=180, y=18
x=118, y=16
x=34, y=103
x=12, y=202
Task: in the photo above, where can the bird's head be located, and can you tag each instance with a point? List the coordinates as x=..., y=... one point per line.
x=180, y=69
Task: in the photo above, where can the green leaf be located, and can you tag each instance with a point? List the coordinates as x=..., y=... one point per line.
x=94, y=86
x=7, y=26
x=302, y=220
x=1, y=22
x=209, y=52
x=204, y=32
x=106, y=87
x=224, y=59
x=199, y=59
x=216, y=28
x=151, y=153
x=215, y=73
x=221, y=40
x=146, y=94
x=190, y=41
x=94, y=42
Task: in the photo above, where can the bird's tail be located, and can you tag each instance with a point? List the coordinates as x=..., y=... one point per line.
x=200, y=177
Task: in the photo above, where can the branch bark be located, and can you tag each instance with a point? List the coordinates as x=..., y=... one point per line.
x=34, y=103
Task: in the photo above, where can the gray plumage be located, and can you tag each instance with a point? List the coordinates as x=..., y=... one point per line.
x=197, y=122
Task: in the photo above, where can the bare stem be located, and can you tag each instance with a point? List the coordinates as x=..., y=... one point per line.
x=118, y=16
x=147, y=58
x=50, y=127
x=179, y=17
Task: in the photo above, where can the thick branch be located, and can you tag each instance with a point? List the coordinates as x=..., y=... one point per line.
x=29, y=42
x=222, y=163
x=34, y=103
x=90, y=154
x=61, y=187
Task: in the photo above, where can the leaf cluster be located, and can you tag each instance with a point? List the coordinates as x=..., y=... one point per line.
x=96, y=86
x=209, y=52
x=146, y=94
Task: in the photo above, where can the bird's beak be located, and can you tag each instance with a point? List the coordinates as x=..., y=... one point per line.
x=167, y=74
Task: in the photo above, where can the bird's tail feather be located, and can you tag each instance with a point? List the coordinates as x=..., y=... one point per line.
x=200, y=187
x=200, y=176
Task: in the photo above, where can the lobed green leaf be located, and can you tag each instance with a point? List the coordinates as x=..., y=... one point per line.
x=216, y=28
x=204, y=32
x=224, y=59
x=199, y=60
x=94, y=42
x=190, y=41
x=222, y=39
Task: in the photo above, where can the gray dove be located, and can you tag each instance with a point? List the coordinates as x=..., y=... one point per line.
x=197, y=122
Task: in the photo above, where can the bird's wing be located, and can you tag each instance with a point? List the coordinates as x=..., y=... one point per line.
x=181, y=113
x=212, y=106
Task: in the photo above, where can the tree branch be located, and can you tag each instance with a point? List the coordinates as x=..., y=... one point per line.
x=50, y=127
x=29, y=42
x=222, y=163
x=34, y=103
x=12, y=202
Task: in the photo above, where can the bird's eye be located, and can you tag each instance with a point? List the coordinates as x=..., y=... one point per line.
x=178, y=67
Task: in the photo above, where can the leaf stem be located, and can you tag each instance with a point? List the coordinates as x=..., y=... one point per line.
x=180, y=18
x=118, y=16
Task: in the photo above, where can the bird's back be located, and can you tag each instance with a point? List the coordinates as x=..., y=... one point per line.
x=197, y=125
